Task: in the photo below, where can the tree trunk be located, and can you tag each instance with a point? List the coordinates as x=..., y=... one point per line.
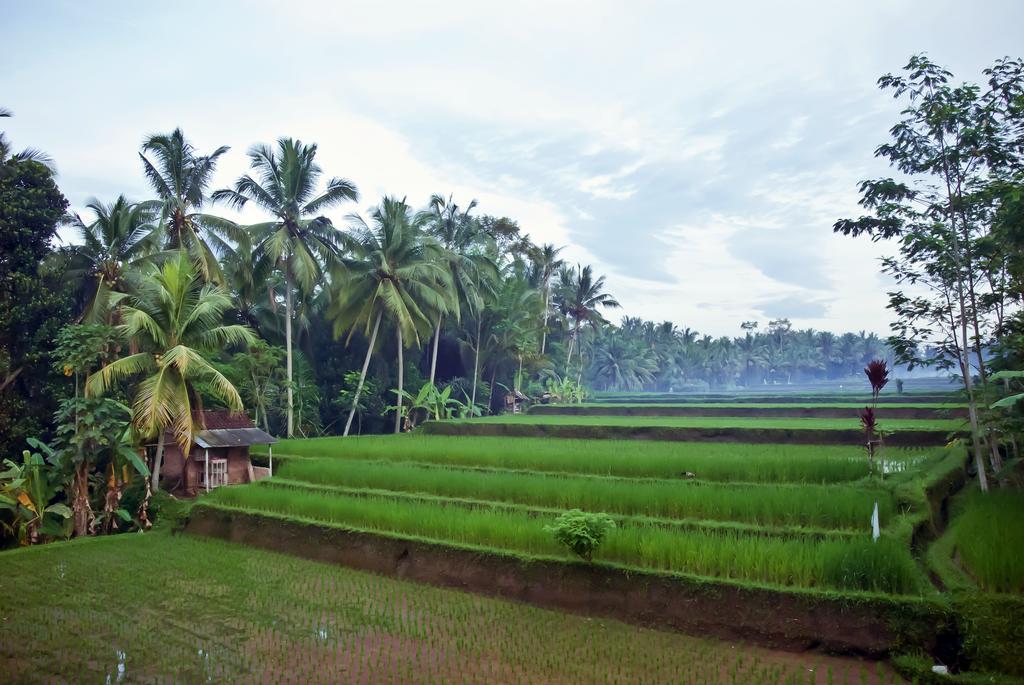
x=544, y=326
x=476, y=363
x=362, y=375
x=401, y=371
x=158, y=460
x=288, y=338
x=433, y=356
x=81, y=506
x=490, y=399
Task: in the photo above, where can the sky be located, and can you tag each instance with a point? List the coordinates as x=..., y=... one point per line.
x=697, y=154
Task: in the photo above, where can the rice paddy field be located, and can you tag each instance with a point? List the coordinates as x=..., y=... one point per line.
x=789, y=520
x=157, y=608
x=794, y=516
x=852, y=423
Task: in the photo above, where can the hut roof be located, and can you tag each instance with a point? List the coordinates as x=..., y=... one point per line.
x=222, y=418
x=233, y=437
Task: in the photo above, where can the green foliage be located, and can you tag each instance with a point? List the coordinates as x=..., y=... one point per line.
x=993, y=629
x=258, y=374
x=83, y=348
x=28, y=510
x=989, y=539
x=581, y=532
x=175, y=321
x=34, y=302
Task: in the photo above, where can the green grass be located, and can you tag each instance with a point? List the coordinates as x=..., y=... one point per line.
x=639, y=459
x=810, y=404
x=884, y=566
x=717, y=422
x=769, y=505
x=185, y=610
x=989, y=538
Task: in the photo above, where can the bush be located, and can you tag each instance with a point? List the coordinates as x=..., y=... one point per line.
x=580, y=531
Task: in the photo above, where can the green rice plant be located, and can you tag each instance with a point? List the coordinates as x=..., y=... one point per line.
x=989, y=539
x=808, y=404
x=783, y=561
x=769, y=505
x=656, y=459
x=737, y=422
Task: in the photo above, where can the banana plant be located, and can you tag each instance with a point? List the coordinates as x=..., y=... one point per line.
x=27, y=491
x=1006, y=376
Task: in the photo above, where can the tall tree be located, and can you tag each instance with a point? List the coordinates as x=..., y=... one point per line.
x=299, y=240
x=116, y=242
x=546, y=264
x=395, y=273
x=175, y=321
x=951, y=143
x=180, y=177
x=581, y=299
x=33, y=301
x=464, y=249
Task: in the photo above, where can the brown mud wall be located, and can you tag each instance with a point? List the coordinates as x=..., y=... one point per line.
x=908, y=438
x=870, y=626
x=778, y=412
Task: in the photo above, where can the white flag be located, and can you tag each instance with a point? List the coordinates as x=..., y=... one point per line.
x=874, y=523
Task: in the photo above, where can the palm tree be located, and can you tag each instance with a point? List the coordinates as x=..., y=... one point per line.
x=180, y=176
x=581, y=296
x=464, y=249
x=29, y=154
x=176, y=323
x=395, y=273
x=298, y=241
x=116, y=242
x=546, y=264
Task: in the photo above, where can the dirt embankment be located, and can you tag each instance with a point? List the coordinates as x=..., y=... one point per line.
x=774, y=618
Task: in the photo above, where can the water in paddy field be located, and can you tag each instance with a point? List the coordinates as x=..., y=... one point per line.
x=184, y=610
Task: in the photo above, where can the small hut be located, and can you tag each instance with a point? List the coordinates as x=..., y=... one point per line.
x=219, y=454
x=514, y=401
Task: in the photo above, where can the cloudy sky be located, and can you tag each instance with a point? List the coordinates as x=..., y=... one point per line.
x=696, y=153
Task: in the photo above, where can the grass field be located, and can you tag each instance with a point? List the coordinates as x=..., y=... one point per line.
x=989, y=540
x=884, y=566
x=636, y=459
x=162, y=609
x=805, y=404
x=793, y=516
x=766, y=505
x=718, y=422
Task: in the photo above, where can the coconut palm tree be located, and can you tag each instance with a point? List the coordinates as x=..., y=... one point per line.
x=298, y=240
x=29, y=154
x=180, y=177
x=581, y=296
x=395, y=273
x=175, y=320
x=546, y=264
x=116, y=242
x=464, y=249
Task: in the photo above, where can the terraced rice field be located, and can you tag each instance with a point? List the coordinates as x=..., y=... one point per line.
x=789, y=516
x=730, y=422
x=157, y=608
x=790, y=520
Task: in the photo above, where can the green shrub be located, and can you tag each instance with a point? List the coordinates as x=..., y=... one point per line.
x=580, y=531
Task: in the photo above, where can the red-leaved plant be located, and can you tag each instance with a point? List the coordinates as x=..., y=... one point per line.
x=878, y=375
